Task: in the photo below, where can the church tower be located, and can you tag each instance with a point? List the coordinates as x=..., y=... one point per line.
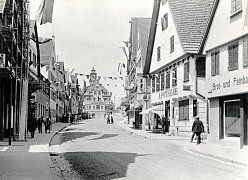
x=93, y=76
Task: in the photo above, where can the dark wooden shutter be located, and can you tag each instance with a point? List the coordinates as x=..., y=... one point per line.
x=230, y=55
x=217, y=63
x=212, y=64
x=245, y=52
x=236, y=56
x=168, y=80
x=186, y=71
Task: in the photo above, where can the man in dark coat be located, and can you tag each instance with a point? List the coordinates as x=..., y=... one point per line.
x=39, y=124
x=32, y=125
x=197, y=128
x=163, y=124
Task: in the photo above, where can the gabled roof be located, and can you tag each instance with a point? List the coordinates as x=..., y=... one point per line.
x=191, y=19
x=93, y=86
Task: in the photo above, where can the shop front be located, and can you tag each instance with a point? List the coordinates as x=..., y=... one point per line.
x=228, y=99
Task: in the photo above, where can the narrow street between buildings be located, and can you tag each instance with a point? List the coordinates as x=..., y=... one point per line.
x=93, y=149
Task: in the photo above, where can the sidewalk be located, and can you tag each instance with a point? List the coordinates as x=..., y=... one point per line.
x=218, y=152
x=28, y=160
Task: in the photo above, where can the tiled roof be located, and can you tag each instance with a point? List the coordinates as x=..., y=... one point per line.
x=93, y=86
x=2, y=4
x=191, y=18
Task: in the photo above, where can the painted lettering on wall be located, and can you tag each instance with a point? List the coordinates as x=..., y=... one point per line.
x=167, y=93
x=230, y=83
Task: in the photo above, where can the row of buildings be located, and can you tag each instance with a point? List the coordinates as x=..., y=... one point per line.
x=190, y=59
x=34, y=81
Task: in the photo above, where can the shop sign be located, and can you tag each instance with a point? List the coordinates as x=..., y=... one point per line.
x=168, y=93
x=229, y=85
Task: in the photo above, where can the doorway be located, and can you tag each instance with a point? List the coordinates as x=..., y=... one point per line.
x=232, y=120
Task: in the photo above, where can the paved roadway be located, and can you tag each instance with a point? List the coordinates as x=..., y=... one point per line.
x=93, y=149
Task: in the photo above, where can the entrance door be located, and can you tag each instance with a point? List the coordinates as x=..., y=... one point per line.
x=232, y=118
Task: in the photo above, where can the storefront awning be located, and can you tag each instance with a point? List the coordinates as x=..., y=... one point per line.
x=149, y=110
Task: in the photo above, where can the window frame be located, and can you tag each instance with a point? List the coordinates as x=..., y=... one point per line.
x=234, y=7
x=174, y=77
x=167, y=80
x=158, y=53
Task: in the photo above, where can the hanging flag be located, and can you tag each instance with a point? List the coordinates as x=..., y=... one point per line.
x=121, y=78
x=123, y=65
x=127, y=43
x=99, y=78
x=110, y=77
x=115, y=78
x=104, y=78
x=87, y=76
x=45, y=12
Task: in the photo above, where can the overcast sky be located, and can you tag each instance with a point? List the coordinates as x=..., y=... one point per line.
x=91, y=31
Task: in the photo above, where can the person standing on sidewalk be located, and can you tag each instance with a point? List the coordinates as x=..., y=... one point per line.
x=32, y=125
x=163, y=123
x=39, y=124
x=197, y=128
x=48, y=124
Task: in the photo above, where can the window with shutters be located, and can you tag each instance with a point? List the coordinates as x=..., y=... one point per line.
x=236, y=6
x=184, y=110
x=172, y=44
x=215, y=63
x=153, y=84
x=174, y=77
x=233, y=56
x=164, y=22
x=158, y=82
x=168, y=80
x=162, y=80
x=186, y=71
x=159, y=53
x=245, y=52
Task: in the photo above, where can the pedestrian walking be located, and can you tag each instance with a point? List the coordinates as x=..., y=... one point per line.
x=163, y=124
x=108, y=119
x=32, y=125
x=40, y=121
x=197, y=129
x=111, y=118
x=48, y=124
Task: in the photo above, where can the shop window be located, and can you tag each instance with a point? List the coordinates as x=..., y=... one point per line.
x=168, y=80
x=162, y=80
x=184, y=110
x=164, y=22
x=233, y=56
x=215, y=63
x=186, y=71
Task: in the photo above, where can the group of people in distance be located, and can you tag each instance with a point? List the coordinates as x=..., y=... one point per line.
x=33, y=124
x=110, y=119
